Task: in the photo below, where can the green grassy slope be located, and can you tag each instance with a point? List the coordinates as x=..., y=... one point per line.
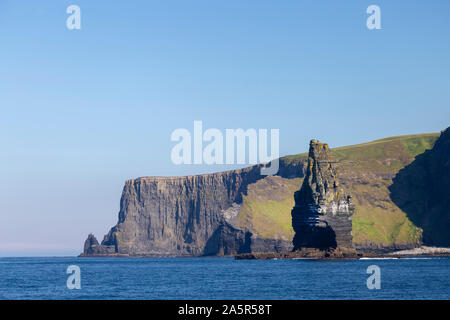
x=366, y=171
x=266, y=209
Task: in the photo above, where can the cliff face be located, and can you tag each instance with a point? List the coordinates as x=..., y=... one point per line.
x=178, y=216
x=184, y=216
x=422, y=190
x=322, y=215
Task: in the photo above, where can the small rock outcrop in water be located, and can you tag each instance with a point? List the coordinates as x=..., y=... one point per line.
x=322, y=215
x=92, y=247
x=305, y=253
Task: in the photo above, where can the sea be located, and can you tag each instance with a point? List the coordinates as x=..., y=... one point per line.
x=223, y=278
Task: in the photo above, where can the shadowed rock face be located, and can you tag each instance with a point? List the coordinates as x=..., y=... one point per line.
x=322, y=215
x=422, y=190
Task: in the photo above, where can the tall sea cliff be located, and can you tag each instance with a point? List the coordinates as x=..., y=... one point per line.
x=186, y=216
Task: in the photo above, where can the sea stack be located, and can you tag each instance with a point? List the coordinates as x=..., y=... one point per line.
x=322, y=215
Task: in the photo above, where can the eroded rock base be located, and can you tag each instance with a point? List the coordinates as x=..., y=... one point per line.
x=305, y=253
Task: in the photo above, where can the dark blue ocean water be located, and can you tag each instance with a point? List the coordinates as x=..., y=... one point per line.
x=223, y=278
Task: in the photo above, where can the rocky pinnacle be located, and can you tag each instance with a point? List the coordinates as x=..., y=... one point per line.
x=322, y=215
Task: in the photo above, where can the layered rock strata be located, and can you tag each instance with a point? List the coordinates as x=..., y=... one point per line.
x=322, y=215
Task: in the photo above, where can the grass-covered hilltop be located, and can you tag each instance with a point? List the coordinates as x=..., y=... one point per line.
x=398, y=185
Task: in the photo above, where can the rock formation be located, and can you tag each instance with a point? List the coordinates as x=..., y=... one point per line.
x=92, y=247
x=322, y=215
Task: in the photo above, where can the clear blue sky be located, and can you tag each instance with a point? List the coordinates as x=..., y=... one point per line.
x=84, y=110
